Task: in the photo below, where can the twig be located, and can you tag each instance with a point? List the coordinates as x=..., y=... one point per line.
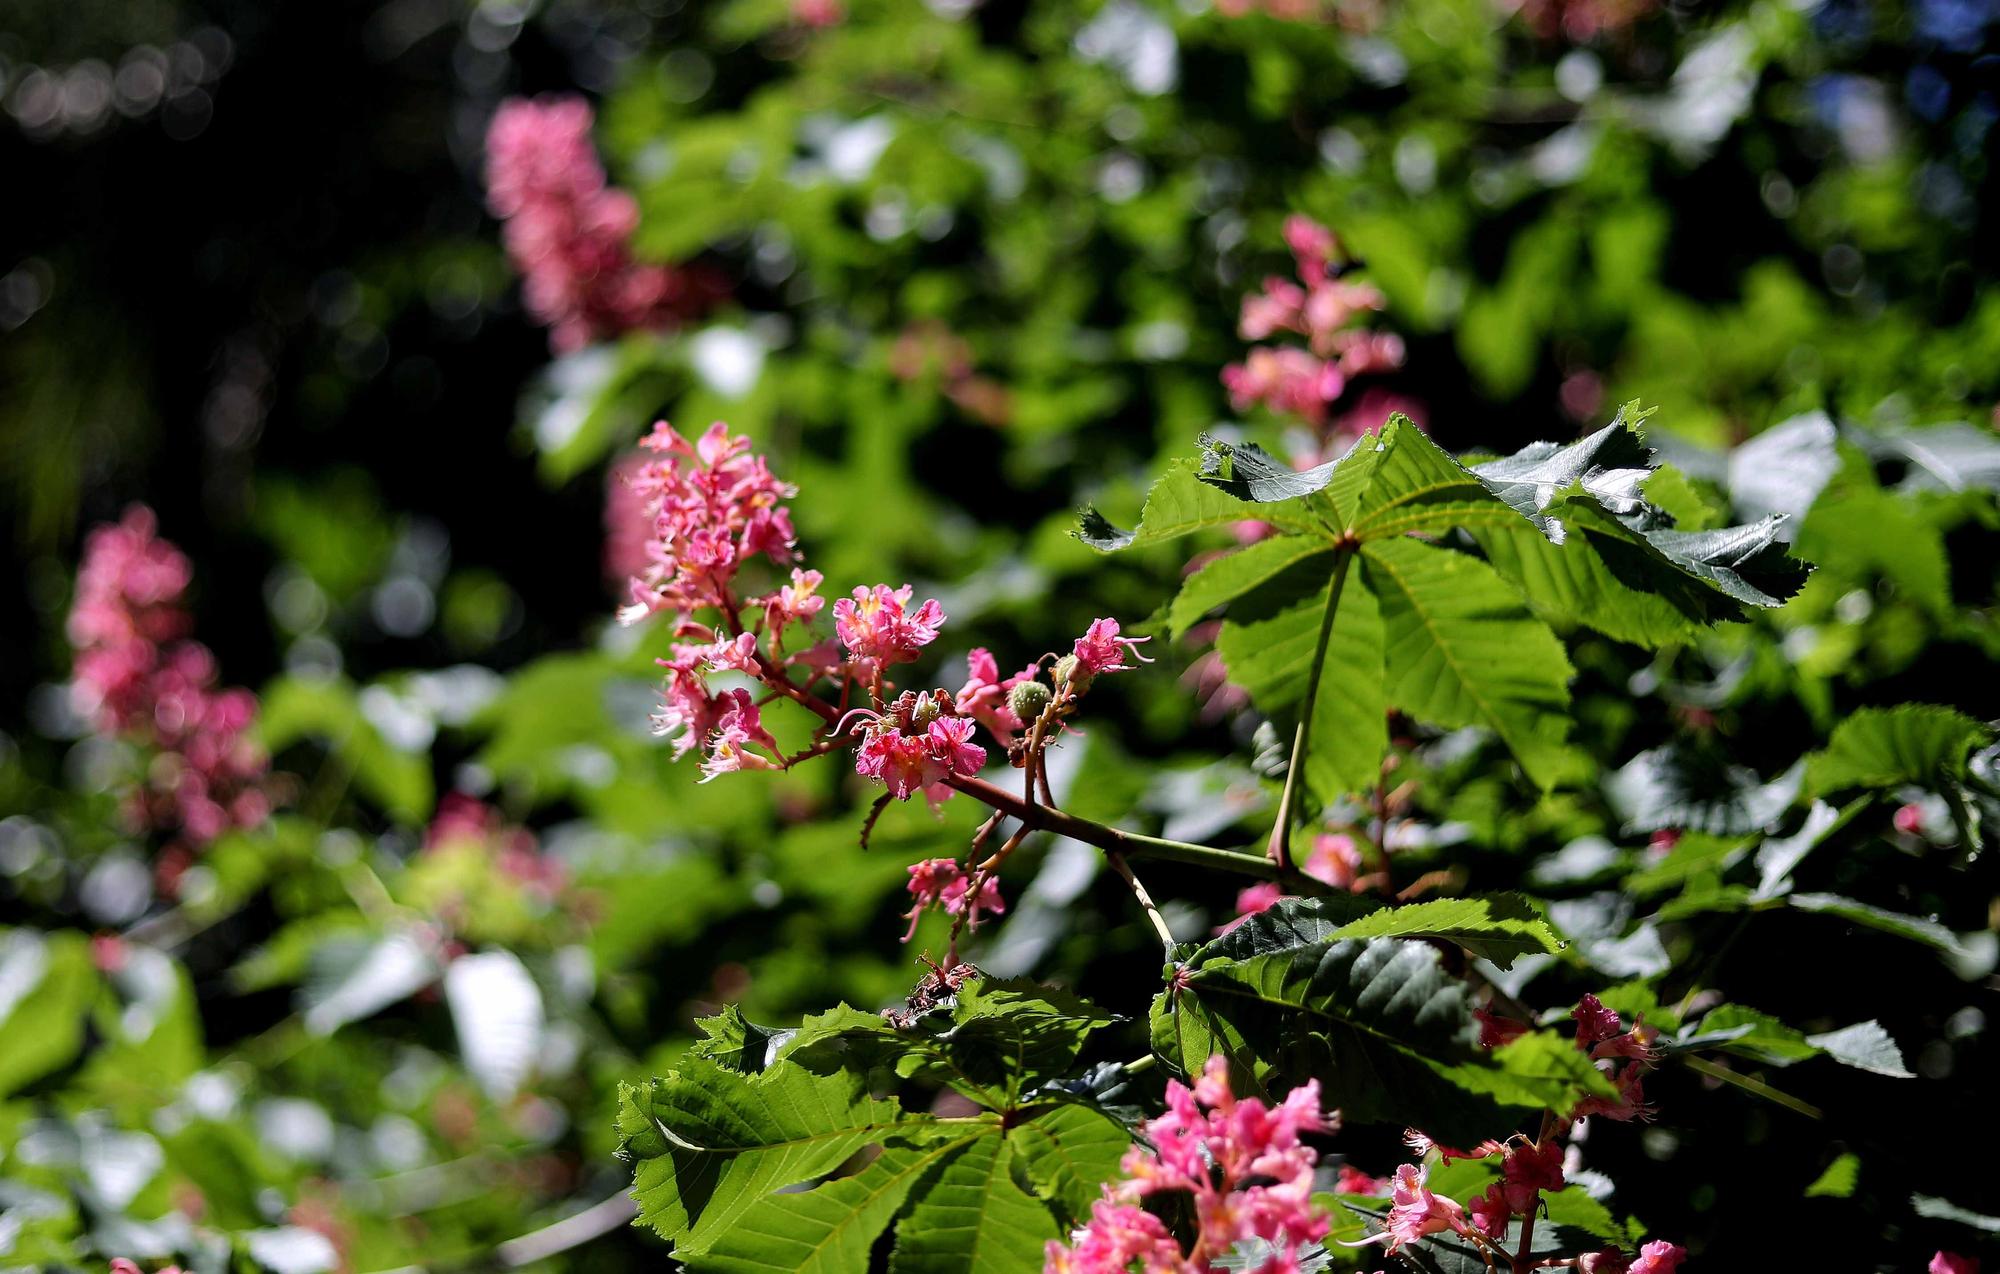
x=574, y=1231
x=1145, y=899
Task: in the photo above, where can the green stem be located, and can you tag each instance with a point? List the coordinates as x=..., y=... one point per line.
x=1047, y=818
x=1281, y=835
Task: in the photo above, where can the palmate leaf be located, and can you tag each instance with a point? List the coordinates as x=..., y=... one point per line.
x=1495, y=927
x=707, y=1144
x=1886, y=747
x=1355, y=605
x=1378, y=1021
x=975, y=1218
x=1069, y=1152
x=997, y=1038
x=830, y=1229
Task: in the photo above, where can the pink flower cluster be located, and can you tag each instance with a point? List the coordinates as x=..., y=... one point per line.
x=1323, y=307
x=876, y=624
x=713, y=504
x=1624, y=1056
x=466, y=822
x=1657, y=1257
x=139, y=677
x=1249, y=1175
x=984, y=695
x=1579, y=20
x=1527, y=1169
x=1102, y=650
x=569, y=233
x=941, y=882
x=916, y=743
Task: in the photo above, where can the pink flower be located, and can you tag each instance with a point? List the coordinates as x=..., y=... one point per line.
x=1594, y=1022
x=1334, y=860
x=940, y=882
x=1659, y=1257
x=1101, y=649
x=1909, y=819
x=1495, y=1030
x=138, y=677
x=875, y=625
x=1415, y=1212
x=569, y=233
x=1280, y=307
x=917, y=743
x=798, y=602
x=819, y=13
x=1351, y=1180
x=1529, y=1169
x=1287, y=380
x=120, y=1265
x=1242, y=1162
x=738, y=726
x=1313, y=246
x=1117, y=1236
x=983, y=697
x=1953, y=1263
x=708, y=509
x=1490, y=1212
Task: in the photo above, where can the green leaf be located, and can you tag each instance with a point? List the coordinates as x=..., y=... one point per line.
x=46, y=987
x=1495, y=927
x=294, y=708
x=998, y=1038
x=1839, y=1179
x=1699, y=790
x=974, y=1218
x=830, y=1229
x=1381, y=1025
x=1972, y=954
x=707, y=1144
x=1462, y=650
x=1864, y=1046
x=1225, y=578
x=735, y=1043
x=1542, y=1070
x=1744, y=1031
x=1179, y=504
x=1885, y=747
x=1069, y=1153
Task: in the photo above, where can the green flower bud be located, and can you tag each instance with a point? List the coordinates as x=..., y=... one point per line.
x=1072, y=675
x=1029, y=699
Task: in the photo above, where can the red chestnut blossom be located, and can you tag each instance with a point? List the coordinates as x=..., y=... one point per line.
x=1101, y=649
x=819, y=13
x=137, y=677
x=983, y=697
x=917, y=743
x=1659, y=1257
x=1529, y=1169
x=1579, y=20
x=1351, y=1180
x=1118, y=1236
x=712, y=505
x=1600, y=1034
x=1415, y=1212
x=739, y=726
x=1489, y=1212
x=795, y=603
x=569, y=233
x=1909, y=819
x=941, y=882
x=875, y=624
x=1495, y=1030
x=463, y=821
x=1322, y=307
x=1249, y=1175
x=1953, y=1263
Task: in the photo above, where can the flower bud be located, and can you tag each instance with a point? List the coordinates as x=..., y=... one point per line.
x=1072, y=675
x=1028, y=700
